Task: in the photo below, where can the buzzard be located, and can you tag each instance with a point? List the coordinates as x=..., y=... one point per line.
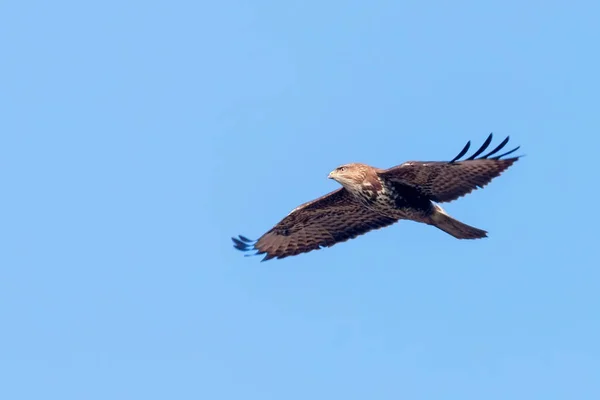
x=372, y=198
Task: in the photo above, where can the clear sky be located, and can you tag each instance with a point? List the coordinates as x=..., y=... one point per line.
x=137, y=137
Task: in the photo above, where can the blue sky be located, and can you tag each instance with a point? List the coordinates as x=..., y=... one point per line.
x=136, y=138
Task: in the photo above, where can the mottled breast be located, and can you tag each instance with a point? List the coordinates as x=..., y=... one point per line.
x=374, y=194
x=402, y=200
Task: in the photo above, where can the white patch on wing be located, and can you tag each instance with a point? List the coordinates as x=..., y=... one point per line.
x=301, y=207
x=294, y=210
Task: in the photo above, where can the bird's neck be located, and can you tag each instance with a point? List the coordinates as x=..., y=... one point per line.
x=366, y=192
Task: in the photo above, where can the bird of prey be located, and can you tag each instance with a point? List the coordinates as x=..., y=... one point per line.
x=372, y=198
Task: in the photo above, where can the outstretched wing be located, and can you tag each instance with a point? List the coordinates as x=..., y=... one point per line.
x=447, y=181
x=333, y=218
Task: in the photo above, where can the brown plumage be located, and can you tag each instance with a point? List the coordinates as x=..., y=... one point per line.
x=373, y=198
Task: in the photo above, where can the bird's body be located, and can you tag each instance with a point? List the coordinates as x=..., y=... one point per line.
x=383, y=196
x=372, y=198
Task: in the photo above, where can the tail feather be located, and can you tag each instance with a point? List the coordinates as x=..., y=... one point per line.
x=459, y=230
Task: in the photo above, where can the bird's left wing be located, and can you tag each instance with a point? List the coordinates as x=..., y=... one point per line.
x=449, y=180
x=333, y=218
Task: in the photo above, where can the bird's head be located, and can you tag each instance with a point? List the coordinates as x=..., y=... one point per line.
x=349, y=174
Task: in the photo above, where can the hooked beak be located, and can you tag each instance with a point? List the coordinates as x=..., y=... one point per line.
x=330, y=176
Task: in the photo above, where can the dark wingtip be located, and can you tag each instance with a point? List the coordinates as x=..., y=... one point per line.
x=482, y=149
x=267, y=257
x=245, y=239
x=507, y=153
x=242, y=243
x=498, y=148
x=462, y=152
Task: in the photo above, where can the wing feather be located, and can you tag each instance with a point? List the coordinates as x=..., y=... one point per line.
x=447, y=181
x=333, y=218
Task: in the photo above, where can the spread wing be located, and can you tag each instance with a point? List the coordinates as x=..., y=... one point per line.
x=447, y=181
x=333, y=218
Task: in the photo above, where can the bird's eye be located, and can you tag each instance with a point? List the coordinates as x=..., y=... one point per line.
x=341, y=169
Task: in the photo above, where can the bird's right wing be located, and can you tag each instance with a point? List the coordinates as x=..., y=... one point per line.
x=333, y=218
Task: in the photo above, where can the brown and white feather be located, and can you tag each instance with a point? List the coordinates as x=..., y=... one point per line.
x=328, y=220
x=447, y=181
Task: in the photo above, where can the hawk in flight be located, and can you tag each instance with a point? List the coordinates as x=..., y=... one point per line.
x=372, y=198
